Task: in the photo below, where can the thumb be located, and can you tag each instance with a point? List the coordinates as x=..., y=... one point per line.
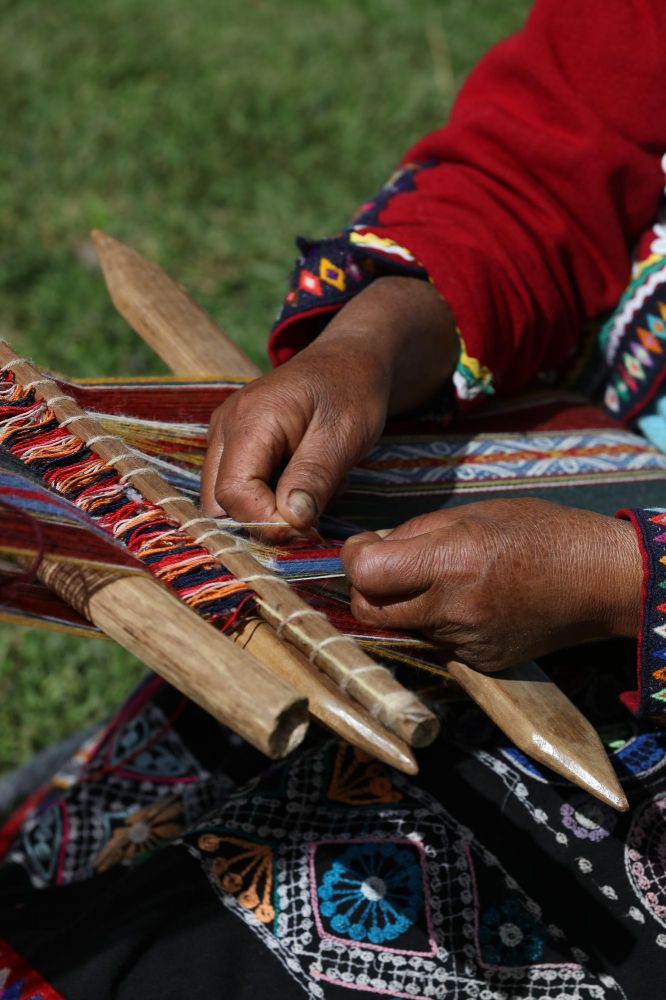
x=311, y=478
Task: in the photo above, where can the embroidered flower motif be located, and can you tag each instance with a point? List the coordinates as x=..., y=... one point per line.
x=373, y=892
x=359, y=780
x=141, y=831
x=509, y=935
x=252, y=881
x=587, y=818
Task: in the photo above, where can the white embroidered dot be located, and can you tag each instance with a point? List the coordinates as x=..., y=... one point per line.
x=374, y=888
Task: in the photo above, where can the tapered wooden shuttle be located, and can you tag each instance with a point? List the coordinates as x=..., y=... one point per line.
x=164, y=315
x=538, y=717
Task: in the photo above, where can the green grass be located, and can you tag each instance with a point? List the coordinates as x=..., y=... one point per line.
x=207, y=134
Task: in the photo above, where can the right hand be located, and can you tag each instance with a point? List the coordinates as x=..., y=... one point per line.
x=311, y=420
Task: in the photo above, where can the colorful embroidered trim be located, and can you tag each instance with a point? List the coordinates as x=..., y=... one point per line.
x=634, y=338
x=331, y=271
x=650, y=698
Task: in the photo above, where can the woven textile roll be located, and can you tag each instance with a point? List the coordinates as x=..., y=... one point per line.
x=573, y=453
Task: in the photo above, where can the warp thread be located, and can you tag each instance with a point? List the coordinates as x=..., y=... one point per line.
x=10, y=587
x=31, y=433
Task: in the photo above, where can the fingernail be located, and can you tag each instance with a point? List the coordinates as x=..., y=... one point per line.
x=383, y=532
x=302, y=505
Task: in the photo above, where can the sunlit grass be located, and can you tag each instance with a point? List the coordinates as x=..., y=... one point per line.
x=207, y=134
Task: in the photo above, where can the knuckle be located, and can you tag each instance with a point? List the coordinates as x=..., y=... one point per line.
x=311, y=472
x=229, y=492
x=366, y=613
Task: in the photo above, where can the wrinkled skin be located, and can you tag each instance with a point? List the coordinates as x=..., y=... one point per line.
x=500, y=581
x=495, y=582
x=309, y=421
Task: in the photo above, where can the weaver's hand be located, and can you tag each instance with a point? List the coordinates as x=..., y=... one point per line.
x=279, y=448
x=500, y=581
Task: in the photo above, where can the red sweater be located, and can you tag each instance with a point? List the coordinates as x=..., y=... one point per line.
x=544, y=177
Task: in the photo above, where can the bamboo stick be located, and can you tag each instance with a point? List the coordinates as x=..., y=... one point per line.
x=327, y=704
x=158, y=310
x=133, y=608
x=528, y=707
x=170, y=638
x=368, y=682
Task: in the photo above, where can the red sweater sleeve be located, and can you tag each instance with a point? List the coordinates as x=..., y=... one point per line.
x=546, y=173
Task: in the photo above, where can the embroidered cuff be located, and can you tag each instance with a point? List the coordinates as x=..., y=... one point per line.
x=632, y=341
x=649, y=700
x=331, y=271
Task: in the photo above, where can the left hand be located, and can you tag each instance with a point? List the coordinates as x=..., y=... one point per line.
x=500, y=581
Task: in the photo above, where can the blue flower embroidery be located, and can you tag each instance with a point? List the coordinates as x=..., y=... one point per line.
x=373, y=892
x=509, y=935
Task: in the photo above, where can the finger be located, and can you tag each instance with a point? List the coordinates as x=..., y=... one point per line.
x=311, y=478
x=424, y=523
x=209, y=504
x=247, y=463
x=384, y=568
x=412, y=611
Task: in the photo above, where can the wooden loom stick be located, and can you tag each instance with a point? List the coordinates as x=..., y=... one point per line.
x=159, y=310
x=372, y=685
x=539, y=718
x=523, y=702
x=153, y=624
x=326, y=702
x=156, y=315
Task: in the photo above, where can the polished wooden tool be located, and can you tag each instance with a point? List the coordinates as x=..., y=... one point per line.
x=539, y=718
x=171, y=639
x=159, y=306
x=135, y=284
x=529, y=708
x=277, y=601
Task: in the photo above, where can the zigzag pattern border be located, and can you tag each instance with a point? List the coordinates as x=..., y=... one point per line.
x=650, y=698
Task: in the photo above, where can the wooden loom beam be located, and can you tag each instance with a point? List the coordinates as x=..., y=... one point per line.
x=523, y=701
x=151, y=485
x=199, y=352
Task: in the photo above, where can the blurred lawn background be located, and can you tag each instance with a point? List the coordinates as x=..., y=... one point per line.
x=207, y=134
